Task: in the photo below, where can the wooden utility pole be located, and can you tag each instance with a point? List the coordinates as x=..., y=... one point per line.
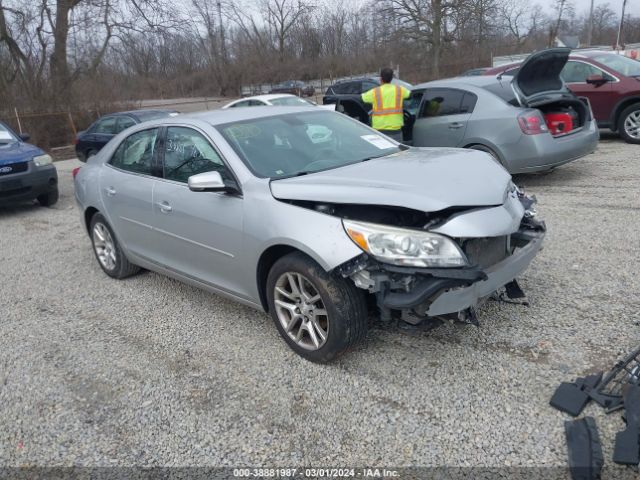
x=619, y=39
x=590, y=29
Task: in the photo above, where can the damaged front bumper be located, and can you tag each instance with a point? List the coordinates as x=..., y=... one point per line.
x=437, y=292
x=498, y=275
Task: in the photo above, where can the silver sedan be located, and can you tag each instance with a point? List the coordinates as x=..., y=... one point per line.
x=531, y=122
x=310, y=216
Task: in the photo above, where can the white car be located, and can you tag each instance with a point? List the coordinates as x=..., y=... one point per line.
x=278, y=99
x=317, y=133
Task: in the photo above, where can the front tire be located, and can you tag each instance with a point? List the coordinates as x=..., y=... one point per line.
x=107, y=250
x=629, y=124
x=320, y=315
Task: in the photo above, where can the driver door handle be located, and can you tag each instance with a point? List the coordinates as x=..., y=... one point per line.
x=455, y=125
x=110, y=191
x=165, y=207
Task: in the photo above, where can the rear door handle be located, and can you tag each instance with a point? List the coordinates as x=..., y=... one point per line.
x=165, y=207
x=110, y=191
x=455, y=125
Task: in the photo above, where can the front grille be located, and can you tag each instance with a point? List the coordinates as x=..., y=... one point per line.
x=13, y=168
x=485, y=252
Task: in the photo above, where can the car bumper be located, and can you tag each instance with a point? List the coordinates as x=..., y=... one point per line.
x=535, y=153
x=497, y=276
x=28, y=185
x=437, y=292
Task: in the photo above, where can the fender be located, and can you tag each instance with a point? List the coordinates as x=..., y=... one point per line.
x=621, y=105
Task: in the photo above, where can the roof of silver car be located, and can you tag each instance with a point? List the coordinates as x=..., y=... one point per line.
x=477, y=81
x=218, y=117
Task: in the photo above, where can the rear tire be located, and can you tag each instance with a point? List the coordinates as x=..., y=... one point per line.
x=107, y=250
x=320, y=315
x=48, y=199
x=629, y=124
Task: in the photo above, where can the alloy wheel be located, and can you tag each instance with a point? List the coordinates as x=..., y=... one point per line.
x=104, y=246
x=301, y=311
x=632, y=124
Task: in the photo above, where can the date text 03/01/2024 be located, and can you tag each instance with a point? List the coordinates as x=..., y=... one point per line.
x=315, y=472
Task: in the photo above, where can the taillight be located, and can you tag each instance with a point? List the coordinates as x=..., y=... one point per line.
x=75, y=171
x=76, y=141
x=531, y=123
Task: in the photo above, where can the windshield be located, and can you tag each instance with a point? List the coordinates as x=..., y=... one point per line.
x=306, y=142
x=621, y=64
x=6, y=136
x=290, y=102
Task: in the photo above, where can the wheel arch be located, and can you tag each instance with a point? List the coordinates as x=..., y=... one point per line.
x=488, y=145
x=267, y=259
x=619, y=108
x=88, y=215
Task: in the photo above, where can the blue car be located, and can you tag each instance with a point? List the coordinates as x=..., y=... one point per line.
x=26, y=172
x=90, y=141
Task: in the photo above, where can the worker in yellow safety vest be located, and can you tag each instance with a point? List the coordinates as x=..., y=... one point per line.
x=387, y=115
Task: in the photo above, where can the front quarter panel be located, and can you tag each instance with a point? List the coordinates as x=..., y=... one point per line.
x=270, y=222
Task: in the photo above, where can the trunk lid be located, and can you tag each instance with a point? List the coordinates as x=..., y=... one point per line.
x=424, y=179
x=538, y=79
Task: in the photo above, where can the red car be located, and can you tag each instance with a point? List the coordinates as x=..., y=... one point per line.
x=609, y=80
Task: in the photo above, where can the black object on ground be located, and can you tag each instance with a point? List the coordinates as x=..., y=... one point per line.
x=573, y=397
x=627, y=448
x=609, y=392
x=585, y=451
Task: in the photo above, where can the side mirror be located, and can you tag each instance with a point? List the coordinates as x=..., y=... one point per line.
x=24, y=137
x=208, y=182
x=596, y=79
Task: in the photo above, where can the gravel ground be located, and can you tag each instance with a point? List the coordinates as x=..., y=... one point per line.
x=148, y=371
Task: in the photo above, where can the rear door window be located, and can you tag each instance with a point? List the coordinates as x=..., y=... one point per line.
x=438, y=102
x=107, y=126
x=339, y=88
x=468, y=102
x=353, y=88
x=124, y=123
x=244, y=103
x=135, y=153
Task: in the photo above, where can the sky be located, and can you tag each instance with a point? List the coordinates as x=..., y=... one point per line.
x=633, y=6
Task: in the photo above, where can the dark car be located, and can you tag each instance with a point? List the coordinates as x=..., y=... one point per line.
x=294, y=87
x=26, y=172
x=346, y=94
x=90, y=141
x=609, y=80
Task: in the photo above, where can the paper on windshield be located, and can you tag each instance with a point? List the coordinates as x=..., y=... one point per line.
x=378, y=141
x=4, y=135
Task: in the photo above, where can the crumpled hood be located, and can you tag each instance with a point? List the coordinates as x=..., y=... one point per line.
x=16, y=152
x=425, y=179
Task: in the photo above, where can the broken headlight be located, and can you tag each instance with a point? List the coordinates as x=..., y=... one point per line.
x=402, y=246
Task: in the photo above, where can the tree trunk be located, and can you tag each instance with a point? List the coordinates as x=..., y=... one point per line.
x=58, y=62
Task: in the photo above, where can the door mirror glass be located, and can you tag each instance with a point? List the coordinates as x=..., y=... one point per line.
x=24, y=137
x=207, y=182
